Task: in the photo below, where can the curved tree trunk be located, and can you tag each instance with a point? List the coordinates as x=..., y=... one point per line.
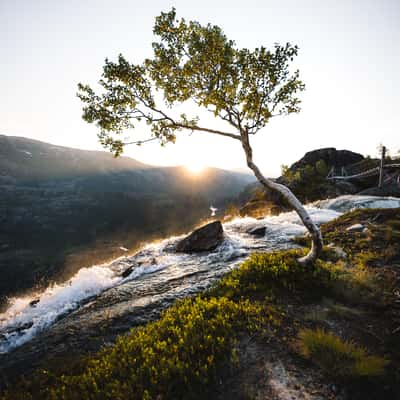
x=293, y=201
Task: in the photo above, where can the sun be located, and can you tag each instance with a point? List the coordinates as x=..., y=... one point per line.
x=195, y=167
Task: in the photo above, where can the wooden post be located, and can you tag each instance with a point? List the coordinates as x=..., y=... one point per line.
x=381, y=167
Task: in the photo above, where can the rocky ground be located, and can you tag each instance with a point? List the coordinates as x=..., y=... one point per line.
x=367, y=313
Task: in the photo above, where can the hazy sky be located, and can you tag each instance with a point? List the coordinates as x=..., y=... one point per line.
x=349, y=59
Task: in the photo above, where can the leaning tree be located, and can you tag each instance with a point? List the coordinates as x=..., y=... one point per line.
x=191, y=62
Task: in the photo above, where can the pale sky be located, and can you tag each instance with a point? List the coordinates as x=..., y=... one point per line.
x=349, y=60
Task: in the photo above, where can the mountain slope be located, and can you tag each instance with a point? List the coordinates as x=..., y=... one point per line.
x=62, y=209
x=27, y=160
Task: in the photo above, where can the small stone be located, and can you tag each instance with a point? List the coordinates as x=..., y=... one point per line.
x=339, y=251
x=34, y=302
x=127, y=272
x=355, y=228
x=257, y=231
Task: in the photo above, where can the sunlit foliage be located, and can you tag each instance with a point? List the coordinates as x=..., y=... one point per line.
x=271, y=272
x=242, y=87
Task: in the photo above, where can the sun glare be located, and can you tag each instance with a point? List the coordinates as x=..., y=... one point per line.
x=195, y=167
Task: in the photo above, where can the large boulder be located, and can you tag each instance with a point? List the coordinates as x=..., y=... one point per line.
x=206, y=238
x=307, y=177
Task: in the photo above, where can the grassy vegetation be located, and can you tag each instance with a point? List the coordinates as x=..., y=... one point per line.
x=357, y=277
x=186, y=352
x=272, y=274
x=378, y=244
x=178, y=357
x=337, y=358
x=183, y=354
x=269, y=273
x=357, y=285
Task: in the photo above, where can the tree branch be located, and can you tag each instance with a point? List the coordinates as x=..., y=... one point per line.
x=139, y=142
x=198, y=128
x=174, y=124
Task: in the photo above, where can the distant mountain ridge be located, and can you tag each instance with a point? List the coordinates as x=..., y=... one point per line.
x=31, y=160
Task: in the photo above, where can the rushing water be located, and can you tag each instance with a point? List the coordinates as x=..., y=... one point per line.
x=100, y=294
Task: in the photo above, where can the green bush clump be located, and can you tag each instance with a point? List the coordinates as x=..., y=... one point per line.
x=337, y=358
x=263, y=272
x=179, y=356
x=308, y=182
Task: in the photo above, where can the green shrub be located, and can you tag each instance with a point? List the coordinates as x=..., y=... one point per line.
x=179, y=356
x=265, y=272
x=351, y=280
x=308, y=181
x=337, y=358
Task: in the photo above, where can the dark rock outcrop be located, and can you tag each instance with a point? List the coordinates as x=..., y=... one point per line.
x=307, y=180
x=307, y=177
x=331, y=156
x=206, y=238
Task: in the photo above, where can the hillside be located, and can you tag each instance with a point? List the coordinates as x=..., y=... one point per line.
x=62, y=208
x=27, y=160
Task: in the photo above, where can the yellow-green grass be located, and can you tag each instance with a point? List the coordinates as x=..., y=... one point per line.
x=338, y=358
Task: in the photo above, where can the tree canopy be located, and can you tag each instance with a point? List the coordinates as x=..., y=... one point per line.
x=244, y=88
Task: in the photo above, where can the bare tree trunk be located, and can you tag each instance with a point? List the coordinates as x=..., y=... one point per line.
x=316, y=237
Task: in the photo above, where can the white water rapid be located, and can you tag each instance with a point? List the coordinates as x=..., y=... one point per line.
x=151, y=274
